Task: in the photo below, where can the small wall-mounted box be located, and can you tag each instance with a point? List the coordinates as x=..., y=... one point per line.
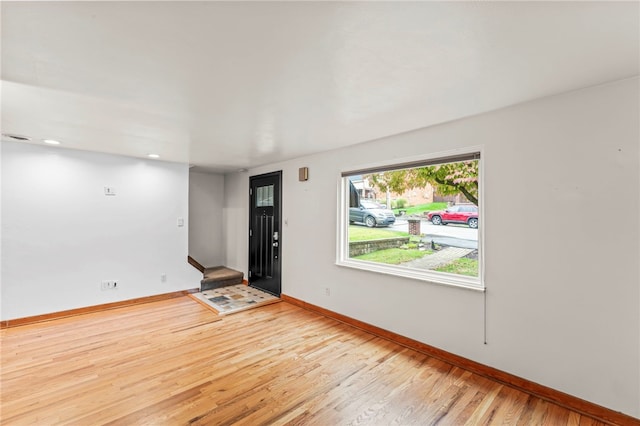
x=303, y=174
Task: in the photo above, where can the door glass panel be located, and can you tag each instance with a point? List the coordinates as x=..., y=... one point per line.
x=264, y=196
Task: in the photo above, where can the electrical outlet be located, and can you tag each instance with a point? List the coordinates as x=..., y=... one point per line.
x=163, y=278
x=327, y=291
x=109, y=285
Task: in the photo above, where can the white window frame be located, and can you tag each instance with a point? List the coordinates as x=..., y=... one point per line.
x=435, y=277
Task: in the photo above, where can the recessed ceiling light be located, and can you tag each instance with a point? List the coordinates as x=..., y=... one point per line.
x=153, y=156
x=16, y=137
x=51, y=142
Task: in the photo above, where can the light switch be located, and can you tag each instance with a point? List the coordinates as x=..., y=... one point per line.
x=180, y=221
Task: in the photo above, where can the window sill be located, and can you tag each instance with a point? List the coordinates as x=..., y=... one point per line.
x=440, y=278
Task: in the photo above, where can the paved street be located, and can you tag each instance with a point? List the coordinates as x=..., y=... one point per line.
x=450, y=235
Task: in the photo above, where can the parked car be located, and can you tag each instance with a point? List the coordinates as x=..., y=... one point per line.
x=460, y=213
x=371, y=214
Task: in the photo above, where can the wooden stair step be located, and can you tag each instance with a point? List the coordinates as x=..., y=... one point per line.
x=220, y=276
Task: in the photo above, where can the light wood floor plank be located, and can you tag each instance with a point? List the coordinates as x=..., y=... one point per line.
x=175, y=362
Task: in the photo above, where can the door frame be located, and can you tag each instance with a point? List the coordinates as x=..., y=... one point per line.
x=278, y=225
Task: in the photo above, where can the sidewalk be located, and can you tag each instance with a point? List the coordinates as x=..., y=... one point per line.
x=438, y=258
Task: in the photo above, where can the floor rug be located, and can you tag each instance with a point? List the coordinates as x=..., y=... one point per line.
x=234, y=298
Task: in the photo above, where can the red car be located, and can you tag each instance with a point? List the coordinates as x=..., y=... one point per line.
x=461, y=213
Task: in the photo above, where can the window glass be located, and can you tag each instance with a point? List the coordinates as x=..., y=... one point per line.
x=264, y=196
x=420, y=221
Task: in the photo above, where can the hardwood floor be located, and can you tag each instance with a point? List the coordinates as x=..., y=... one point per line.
x=175, y=362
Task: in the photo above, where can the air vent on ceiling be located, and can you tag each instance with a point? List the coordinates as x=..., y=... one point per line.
x=16, y=137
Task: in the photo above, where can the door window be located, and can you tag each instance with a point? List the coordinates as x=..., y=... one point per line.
x=264, y=196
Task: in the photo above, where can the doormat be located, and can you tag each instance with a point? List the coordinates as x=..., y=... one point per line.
x=234, y=298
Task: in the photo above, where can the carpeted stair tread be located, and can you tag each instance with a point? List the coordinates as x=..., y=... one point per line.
x=220, y=276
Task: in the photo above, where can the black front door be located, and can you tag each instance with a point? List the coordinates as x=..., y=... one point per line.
x=264, y=232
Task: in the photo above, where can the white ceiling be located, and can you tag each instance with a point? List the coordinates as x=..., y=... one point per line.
x=230, y=85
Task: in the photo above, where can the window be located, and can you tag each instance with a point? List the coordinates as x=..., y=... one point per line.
x=264, y=196
x=419, y=219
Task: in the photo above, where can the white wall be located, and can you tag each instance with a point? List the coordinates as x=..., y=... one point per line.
x=562, y=277
x=206, y=199
x=61, y=236
x=236, y=221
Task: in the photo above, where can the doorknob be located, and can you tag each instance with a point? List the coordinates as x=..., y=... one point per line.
x=275, y=244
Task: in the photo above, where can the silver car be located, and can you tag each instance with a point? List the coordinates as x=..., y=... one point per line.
x=371, y=214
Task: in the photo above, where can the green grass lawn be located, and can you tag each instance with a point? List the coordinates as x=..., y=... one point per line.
x=362, y=233
x=393, y=256
x=421, y=208
x=462, y=266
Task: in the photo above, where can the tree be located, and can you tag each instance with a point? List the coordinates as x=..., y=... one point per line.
x=447, y=179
